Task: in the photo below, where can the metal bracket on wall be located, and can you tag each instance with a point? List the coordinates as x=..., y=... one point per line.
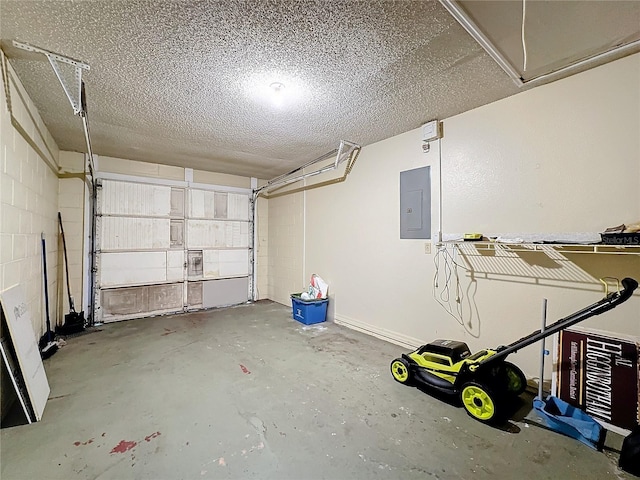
x=72, y=86
x=346, y=151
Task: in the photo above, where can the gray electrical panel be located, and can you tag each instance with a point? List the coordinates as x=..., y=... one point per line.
x=415, y=203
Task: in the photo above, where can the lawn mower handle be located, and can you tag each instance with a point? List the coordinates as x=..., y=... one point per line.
x=609, y=302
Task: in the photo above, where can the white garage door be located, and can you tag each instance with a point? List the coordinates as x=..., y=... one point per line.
x=164, y=249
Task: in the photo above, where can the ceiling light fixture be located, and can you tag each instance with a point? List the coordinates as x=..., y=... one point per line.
x=277, y=93
x=276, y=90
x=277, y=87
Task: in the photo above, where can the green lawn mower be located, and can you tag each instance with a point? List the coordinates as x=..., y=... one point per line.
x=485, y=382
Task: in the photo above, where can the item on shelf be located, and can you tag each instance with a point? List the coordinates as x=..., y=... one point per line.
x=621, y=239
x=472, y=237
x=633, y=228
x=619, y=229
x=622, y=234
x=509, y=240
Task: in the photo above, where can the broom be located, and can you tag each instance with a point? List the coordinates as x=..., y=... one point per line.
x=73, y=321
x=46, y=345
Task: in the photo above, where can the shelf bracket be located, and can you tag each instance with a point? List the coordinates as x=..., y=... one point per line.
x=71, y=81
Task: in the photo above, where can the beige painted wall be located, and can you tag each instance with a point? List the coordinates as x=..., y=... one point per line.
x=262, y=249
x=286, y=247
x=142, y=169
x=73, y=195
x=564, y=157
x=200, y=176
x=168, y=172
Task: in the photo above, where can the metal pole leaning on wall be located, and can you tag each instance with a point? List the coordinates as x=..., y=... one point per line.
x=542, y=348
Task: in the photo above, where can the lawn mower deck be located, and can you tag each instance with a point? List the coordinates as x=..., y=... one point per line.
x=447, y=366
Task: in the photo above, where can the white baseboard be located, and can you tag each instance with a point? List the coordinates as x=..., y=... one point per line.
x=381, y=333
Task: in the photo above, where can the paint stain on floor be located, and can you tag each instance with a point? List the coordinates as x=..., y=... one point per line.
x=77, y=444
x=244, y=369
x=168, y=331
x=124, y=446
x=148, y=438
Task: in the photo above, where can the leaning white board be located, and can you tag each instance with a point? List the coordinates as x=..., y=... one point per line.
x=15, y=379
x=25, y=345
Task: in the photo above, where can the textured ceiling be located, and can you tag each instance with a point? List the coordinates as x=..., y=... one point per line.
x=182, y=83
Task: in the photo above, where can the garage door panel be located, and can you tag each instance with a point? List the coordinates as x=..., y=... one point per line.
x=237, y=234
x=218, y=234
x=165, y=297
x=194, y=294
x=218, y=205
x=205, y=204
x=225, y=263
x=124, y=301
x=234, y=263
x=177, y=202
x=244, y=236
x=211, y=263
x=238, y=207
x=135, y=233
x=123, y=198
x=128, y=302
x=228, y=291
x=196, y=203
x=199, y=234
x=175, y=265
x=131, y=268
x=221, y=206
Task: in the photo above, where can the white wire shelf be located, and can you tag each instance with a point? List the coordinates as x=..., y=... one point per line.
x=571, y=248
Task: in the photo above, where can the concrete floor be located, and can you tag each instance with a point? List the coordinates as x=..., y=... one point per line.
x=248, y=393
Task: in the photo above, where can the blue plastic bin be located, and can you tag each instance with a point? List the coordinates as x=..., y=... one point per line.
x=309, y=311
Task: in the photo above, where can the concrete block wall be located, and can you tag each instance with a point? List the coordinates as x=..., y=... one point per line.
x=29, y=200
x=28, y=205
